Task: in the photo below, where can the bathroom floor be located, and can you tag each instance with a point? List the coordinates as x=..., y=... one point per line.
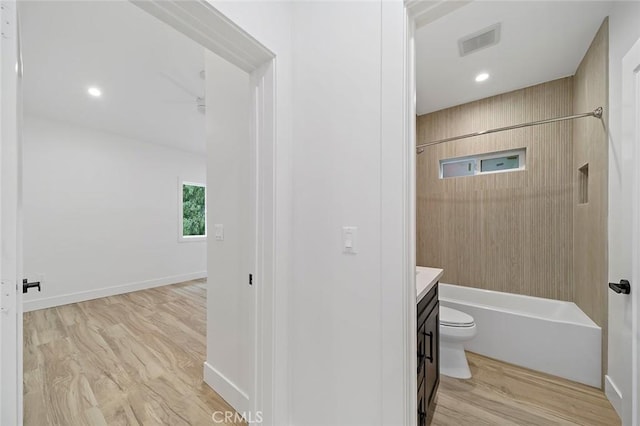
x=503, y=394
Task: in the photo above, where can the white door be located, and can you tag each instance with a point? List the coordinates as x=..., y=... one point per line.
x=631, y=136
x=231, y=249
x=10, y=221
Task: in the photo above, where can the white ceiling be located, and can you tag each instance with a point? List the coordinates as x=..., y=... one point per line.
x=148, y=72
x=540, y=41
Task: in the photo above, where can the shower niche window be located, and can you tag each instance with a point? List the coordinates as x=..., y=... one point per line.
x=494, y=162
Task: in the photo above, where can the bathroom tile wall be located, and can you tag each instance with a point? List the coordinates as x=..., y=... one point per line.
x=512, y=231
x=590, y=146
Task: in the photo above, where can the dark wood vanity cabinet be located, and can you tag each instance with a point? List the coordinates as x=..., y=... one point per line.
x=428, y=355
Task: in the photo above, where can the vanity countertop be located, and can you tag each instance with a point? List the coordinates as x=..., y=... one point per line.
x=426, y=278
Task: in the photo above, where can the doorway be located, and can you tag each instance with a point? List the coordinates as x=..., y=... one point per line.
x=250, y=56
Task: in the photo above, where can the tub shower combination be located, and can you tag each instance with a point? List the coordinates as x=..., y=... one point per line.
x=546, y=335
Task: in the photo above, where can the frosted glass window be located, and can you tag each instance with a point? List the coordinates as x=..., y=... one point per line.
x=490, y=162
x=500, y=163
x=459, y=168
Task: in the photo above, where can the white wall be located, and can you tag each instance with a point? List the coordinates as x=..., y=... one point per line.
x=339, y=318
x=624, y=27
x=101, y=213
x=347, y=337
x=335, y=297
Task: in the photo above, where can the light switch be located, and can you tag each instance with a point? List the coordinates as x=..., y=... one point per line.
x=219, y=231
x=349, y=239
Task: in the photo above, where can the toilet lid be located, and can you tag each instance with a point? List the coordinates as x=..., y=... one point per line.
x=453, y=318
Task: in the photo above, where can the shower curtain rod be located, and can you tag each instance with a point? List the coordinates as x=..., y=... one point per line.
x=597, y=113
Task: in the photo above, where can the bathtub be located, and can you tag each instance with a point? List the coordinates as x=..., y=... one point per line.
x=546, y=335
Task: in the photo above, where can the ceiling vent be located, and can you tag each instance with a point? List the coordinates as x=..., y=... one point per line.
x=479, y=40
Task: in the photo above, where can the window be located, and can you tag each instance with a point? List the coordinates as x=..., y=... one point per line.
x=458, y=168
x=193, y=211
x=495, y=162
x=500, y=163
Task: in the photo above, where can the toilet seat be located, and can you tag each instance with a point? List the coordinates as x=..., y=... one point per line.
x=454, y=318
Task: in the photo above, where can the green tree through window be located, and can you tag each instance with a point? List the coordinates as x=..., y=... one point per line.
x=193, y=210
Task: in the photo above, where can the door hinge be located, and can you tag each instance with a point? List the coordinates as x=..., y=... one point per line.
x=6, y=18
x=250, y=279
x=4, y=296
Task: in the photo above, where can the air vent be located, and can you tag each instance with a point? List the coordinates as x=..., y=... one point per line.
x=479, y=40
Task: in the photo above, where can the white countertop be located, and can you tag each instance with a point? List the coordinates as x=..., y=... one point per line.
x=426, y=278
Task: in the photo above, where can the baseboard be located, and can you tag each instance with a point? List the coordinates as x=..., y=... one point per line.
x=226, y=389
x=82, y=296
x=613, y=394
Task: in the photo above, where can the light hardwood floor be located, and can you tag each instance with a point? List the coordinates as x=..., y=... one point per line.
x=136, y=359
x=132, y=359
x=503, y=394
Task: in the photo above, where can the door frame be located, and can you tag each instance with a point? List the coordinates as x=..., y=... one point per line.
x=631, y=130
x=417, y=13
x=203, y=23
x=11, y=399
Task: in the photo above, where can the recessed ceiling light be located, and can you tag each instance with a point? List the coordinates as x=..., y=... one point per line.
x=482, y=77
x=95, y=92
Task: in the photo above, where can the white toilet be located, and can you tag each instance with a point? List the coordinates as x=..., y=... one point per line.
x=455, y=328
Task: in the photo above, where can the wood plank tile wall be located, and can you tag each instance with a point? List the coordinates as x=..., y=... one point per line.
x=590, y=146
x=512, y=231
